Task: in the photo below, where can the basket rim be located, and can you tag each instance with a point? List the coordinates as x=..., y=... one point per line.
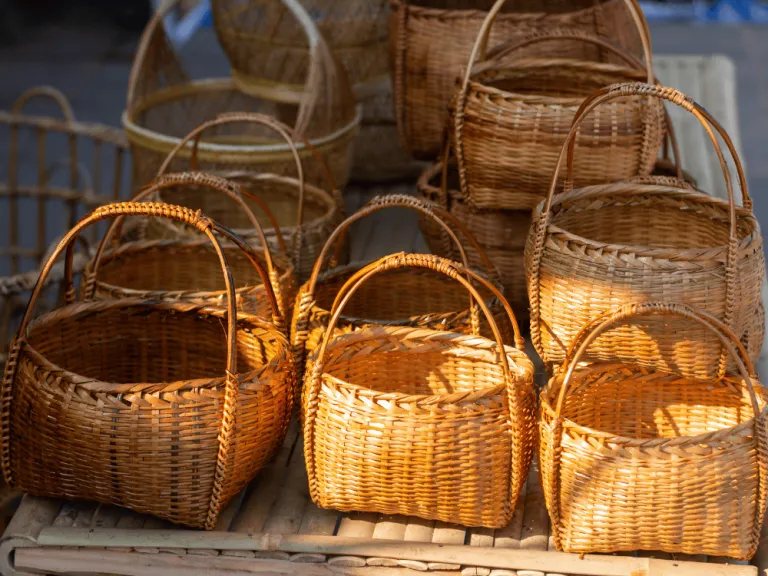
x=103, y=132
x=253, y=377
x=449, y=14
x=703, y=438
x=139, y=135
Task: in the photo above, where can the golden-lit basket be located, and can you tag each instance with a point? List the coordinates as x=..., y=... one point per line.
x=186, y=268
x=413, y=421
x=404, y=297
x=637, y=459
x=166, y=407
x=592, y=249
x=431, y=41
x=164, y=105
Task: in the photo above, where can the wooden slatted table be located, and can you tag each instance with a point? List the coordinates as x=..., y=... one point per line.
x=274, y=528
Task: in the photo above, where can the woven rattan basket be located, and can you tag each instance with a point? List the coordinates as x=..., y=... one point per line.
x=306, y=212
x=432, y=39
x=164, y=105
x=511, y=115
x=453, y=414
x=58, y=170
x=406, y=297
x=186, y=268
x=636, y=459
x=592, y=249
x=152, y=405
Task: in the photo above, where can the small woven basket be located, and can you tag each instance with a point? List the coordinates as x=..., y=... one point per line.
x=637, y=459
x=592, y=249
x=187, y=268
x=413, y=421
x=164, y=105
x=144, y=403
x=432, y=39
x=510, y=117
x=403, y=297
x=45, y=192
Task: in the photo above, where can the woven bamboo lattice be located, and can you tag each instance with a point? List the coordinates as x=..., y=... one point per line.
x=57, y=170
x=186, y=268
x=308, y=213
x=402, y=297
x=680, y=463
x=432, y=39
x=510, y=116
x=163, y=105
x=413, y=421
x=140, y=403
x=592, y=249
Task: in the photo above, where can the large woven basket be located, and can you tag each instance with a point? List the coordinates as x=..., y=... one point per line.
x=306, y=212
x=637, y=459
x=511, y=115
x=152, y=405
x=592, y=249
x=431, y=41
x=58, y=170
x=413, y=421
x=501, y=233
x=164, y=105
x=187, y=268
x=404, y=297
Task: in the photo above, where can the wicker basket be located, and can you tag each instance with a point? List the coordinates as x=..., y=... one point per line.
x=432, y=39
x=164, y=105
x=308, y=213
x=139, y=403
x=413, y=421
x=186, y=269
x=511, y=117
x=672, y=463
x=501, y=233
x=415, y=298
x=594, y=248
x=51, y=189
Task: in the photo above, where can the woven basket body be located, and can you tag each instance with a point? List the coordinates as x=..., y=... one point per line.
x=404, y=297
x=431, y=41
x=164, y=105
x=594, y=248
x=678, y=464
x=58, y=170
x=130, y=403
x=453, y=428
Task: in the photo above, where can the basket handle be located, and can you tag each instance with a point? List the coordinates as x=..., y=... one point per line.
x=45, y=92
x=205, y=226
x=211, y=182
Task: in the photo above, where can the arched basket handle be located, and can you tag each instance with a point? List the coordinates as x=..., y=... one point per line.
x=45, y=92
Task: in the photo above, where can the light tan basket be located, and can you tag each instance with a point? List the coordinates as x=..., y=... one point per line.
x=164, y=105
x=592, y=249
x=637, y=459
x=413, y=421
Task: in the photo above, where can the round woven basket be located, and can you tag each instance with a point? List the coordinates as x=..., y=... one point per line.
x=187, y=268
x=166, y=407
x=467, y=403
x=432, y=39
x=164, y=105
x=666, y=454
x=510, y=117
x=592, y=249
x=406, y=297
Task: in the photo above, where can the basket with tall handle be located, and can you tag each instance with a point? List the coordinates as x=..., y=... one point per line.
x=413, y=421
x=432, y=39
x=681, y=463
x=591, y=249
x=163, y=105
x=145, y=404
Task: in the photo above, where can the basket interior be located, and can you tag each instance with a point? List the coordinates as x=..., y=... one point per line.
x=641, y=404
x=145, y=344
x=514, y=6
